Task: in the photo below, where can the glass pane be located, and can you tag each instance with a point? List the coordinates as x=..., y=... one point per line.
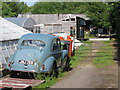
x=37, y=43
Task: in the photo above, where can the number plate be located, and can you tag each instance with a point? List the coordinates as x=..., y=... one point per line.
x=26, y=62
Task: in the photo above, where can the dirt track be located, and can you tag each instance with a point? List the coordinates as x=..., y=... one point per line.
x=88, y=76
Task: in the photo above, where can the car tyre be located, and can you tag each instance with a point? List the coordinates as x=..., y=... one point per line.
x=66, y=68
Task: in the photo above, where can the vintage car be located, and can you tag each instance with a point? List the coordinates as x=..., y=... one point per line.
x=38, y=53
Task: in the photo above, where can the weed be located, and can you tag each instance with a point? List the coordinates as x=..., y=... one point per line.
x=51, y=80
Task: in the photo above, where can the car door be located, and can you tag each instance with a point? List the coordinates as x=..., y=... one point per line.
x=56, y=50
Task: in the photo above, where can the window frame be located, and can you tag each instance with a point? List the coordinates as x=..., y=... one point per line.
x=56, y=45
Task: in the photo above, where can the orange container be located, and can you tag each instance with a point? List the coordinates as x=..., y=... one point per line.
x=53, y=34
x=70, y=46
x=61, y=38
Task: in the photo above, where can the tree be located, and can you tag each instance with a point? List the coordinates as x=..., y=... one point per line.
x=23, y=8
x=97, y=11
x=115, y=17
x=0, y=8
x=56, y=7
x=6, y=10
x=12, y=9
x=45, y=7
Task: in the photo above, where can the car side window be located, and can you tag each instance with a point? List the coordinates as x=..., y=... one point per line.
x=59, y=43
x=56, y=44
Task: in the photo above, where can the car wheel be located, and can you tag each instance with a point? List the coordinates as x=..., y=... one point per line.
x=67, y=65
x=64, y=63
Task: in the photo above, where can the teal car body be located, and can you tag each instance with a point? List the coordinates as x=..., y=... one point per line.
x=37, y=53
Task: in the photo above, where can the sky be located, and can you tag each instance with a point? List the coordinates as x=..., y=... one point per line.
x=29, y=2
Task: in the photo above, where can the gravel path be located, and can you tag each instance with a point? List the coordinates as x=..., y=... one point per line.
x=88, y=76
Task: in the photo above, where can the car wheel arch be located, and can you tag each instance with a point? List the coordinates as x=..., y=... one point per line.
x=49, y=63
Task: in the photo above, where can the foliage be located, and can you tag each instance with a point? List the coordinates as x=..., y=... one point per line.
x=54, y=7
x=0, y=8
x=12, y=9
x=115, y=17
x=99, y=14
x=49, y=80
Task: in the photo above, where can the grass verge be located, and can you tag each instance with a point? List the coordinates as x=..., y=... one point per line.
x=87, y=35
x=105, y=55
x=80, y=54
x=50, y=80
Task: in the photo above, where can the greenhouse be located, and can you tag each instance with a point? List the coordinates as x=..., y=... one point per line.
x=9, y=36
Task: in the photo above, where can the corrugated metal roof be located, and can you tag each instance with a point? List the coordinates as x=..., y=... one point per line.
x=22, y=21
x=10, y=31
x=18, y=21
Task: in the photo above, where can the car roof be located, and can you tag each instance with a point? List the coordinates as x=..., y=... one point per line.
x=38, y=36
